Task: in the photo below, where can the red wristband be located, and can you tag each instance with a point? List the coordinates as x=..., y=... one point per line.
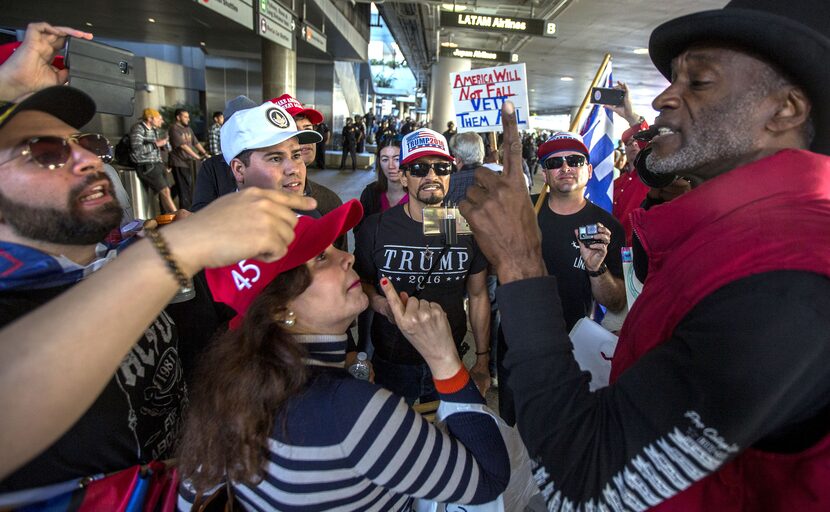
x=454, y=383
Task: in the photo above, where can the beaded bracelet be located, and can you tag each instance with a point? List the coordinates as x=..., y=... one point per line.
x=161, y=247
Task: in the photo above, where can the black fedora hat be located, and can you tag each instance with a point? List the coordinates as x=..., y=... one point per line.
x=792, y=34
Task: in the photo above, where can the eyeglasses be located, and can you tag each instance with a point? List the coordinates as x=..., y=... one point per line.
x=556, y=162
x=420, y=170
x=53, y=152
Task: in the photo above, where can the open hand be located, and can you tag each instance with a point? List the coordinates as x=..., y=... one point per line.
x=252, y=223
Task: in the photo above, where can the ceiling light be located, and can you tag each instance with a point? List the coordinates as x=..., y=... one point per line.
x=641, y=51
x=567, y=79
x=449, y=44
x=151, y=20
x=533, y=90
x=453, y=7
x=88, y=24
x=201, y=43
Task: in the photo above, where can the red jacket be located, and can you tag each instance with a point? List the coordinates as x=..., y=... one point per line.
x=770, y=215
x=629, y=194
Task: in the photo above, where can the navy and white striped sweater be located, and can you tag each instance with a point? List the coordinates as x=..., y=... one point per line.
x=345, y=444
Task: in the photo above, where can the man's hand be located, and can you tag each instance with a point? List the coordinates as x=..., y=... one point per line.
x=161, y=142
x=252, y=223
x=30, y=68
x=480, y=373
x=626, y=110
x=594, y=255
x=502, y=219
x=425, y=325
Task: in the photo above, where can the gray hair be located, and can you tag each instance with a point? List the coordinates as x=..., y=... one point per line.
x=468, y=147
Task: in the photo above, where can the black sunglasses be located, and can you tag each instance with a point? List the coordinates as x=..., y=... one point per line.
x=52, y=152
x=420, y=170
x=555, y=162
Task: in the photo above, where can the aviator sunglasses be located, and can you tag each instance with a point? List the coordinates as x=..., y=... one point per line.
x=52, y=152
x=556, y=162
x=420, y=170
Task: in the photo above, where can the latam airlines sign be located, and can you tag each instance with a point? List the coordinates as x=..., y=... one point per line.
x=508, y=24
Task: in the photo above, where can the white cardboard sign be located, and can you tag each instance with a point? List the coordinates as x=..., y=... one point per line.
x=478, y=96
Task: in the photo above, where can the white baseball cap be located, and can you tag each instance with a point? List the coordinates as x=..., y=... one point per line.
x=261, y=127
x=423, y=142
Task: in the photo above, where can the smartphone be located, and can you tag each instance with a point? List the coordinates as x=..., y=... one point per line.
x=104, y=72
x=607, y=96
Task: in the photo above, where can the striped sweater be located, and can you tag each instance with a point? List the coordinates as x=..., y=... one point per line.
x=347, y=445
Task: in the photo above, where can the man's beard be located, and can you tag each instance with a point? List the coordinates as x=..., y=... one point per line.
x=69, y=227
x=718, y=134
x=432, y=197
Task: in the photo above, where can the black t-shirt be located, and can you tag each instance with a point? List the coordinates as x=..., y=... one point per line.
x=136, y=417
x=560, y=251
x=392, y=245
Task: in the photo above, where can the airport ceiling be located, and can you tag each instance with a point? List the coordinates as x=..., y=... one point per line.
x=175, y=22
x=585, y=31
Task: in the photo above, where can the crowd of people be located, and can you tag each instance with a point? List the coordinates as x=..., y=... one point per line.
x=718, y=396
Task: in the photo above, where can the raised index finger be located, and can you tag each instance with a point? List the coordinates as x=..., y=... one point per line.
x=395, y=304
x=512, y=145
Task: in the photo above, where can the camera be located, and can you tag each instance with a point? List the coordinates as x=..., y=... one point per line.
x=586, y=234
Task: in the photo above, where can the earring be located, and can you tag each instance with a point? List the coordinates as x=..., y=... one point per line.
x=289, y=320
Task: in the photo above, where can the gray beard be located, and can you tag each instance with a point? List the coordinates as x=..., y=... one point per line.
x=718, y=134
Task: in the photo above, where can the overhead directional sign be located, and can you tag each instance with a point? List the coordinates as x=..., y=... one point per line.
x=240, y=11
x=492, y=23
x=477, y=54
x=276, y=23
x=313, y=37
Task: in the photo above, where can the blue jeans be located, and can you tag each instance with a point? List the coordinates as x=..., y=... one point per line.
x=411, y=381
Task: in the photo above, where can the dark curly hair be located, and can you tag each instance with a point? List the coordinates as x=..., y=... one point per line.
x=241, y=383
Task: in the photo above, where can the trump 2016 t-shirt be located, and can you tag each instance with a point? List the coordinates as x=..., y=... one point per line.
x=392, y=245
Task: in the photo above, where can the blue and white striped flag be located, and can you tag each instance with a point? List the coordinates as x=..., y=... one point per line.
x=598, y=134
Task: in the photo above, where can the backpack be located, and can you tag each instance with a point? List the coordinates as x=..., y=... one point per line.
x=123, y=151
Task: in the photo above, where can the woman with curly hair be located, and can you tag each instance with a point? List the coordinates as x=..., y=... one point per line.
x=275, y=413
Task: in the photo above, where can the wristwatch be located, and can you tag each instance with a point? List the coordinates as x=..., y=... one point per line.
x=598, y=272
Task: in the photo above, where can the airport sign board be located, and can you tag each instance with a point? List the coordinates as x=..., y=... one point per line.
x=479, y=54
x=493, y=23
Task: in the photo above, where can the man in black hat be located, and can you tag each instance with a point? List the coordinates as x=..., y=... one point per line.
x=719, y=395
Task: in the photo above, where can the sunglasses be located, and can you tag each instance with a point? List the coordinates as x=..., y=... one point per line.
x=420, y=170
x=556, y=162
x=53, y=152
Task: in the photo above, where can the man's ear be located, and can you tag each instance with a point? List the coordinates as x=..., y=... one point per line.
x=590, y=171
x=238, y=170
x=403, y=179
x=792, y=112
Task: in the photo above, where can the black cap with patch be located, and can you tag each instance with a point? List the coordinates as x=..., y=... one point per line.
x=70, y=105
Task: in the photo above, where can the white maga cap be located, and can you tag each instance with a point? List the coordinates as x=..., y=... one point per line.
x=261, y=127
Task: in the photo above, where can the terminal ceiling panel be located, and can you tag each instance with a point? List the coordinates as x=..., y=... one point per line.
x=585, y=31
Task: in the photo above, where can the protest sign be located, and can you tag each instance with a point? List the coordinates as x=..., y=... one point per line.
x=479, y=94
